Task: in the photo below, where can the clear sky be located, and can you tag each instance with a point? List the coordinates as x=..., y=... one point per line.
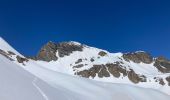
x=115, y=25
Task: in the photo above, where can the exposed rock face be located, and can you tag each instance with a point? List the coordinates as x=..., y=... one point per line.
x=135, y=78
x=5, y=54
x=119, y=68
x=92, y=59
x=11, y=53
x=168, y=80
x=48, y=51
x=21, y=59
x=89, y=73
x=103, y=72
x=78, y=61
x=102, y=53
x=115, y=69
x=78, y=66
x=138, y=57
x=92, y=72
x=161, y=81
x=162, y=64
x=66, y=48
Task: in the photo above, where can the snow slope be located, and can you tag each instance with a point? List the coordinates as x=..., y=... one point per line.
x=17, y=84
x=34, y=81
x=65, y=65
x=6, y=47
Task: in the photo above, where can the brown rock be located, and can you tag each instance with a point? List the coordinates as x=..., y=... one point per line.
x=114, y=69
x=103, y=72
x=138, y=57
x=78, y=66
x=161, y=81
x=84, y=73
x=135, y=78
x=21, y=59
x=66, y=48
x=162, y=64
x=48, y=52
x=102, y=53
x=168, y=80
x=11, y=53
x=5, y=54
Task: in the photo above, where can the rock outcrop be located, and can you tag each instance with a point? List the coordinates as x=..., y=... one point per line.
x=168, y=80
x=111, y=69
x=21, y=59
x=162, y=64
x=6, y=54
x=119, y=68
x=138, y=57
x=49, y=51
x=102, y=53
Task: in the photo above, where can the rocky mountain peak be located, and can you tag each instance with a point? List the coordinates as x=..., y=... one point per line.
x=49, y=50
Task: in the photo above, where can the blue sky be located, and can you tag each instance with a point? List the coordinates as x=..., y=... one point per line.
x=114, y=25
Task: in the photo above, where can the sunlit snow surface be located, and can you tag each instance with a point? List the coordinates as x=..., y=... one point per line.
x=17, y=84
x=38, y=80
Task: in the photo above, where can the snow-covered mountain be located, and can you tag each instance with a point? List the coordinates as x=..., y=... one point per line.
x=69, y=70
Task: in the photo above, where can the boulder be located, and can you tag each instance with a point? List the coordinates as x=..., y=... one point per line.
x=21, y=59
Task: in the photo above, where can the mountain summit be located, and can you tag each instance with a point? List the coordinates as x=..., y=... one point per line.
x=81, y=60
x=70, y=69
x=49, y=50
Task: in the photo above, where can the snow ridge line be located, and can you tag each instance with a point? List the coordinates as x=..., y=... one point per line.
x=41, y=92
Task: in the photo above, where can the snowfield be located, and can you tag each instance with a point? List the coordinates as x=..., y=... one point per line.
x=17, y=84
x=36, y=81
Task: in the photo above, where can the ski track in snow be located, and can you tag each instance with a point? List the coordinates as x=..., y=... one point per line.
x=41, y=92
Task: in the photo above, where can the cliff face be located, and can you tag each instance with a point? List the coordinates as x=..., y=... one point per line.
x=49, y=51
